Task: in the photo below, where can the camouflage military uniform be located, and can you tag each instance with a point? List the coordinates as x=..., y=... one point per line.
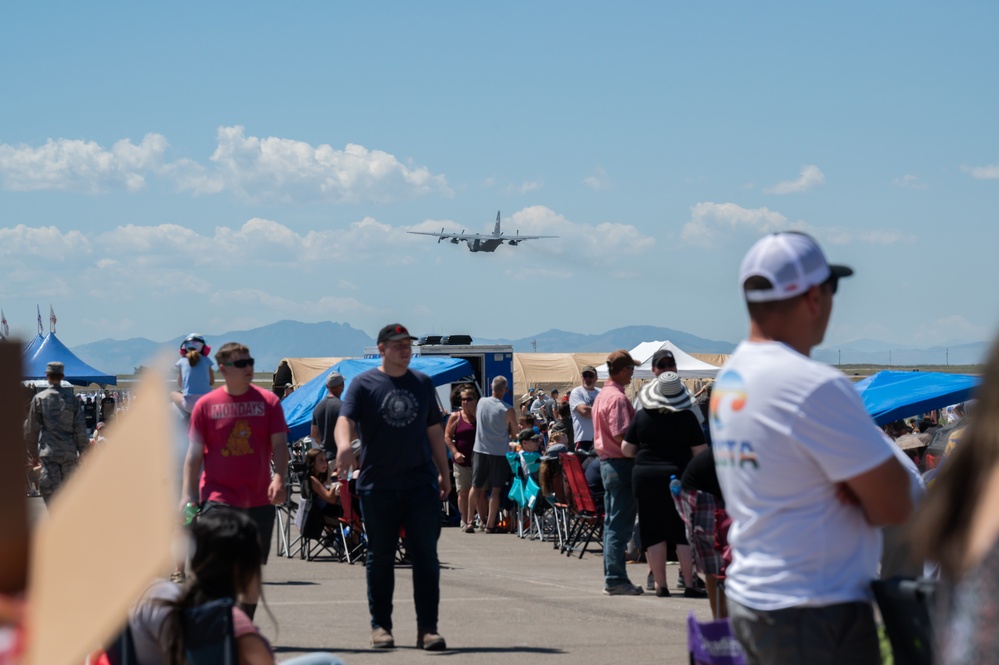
x=56, y=433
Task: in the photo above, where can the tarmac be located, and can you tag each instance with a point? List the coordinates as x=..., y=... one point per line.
x=503, y=599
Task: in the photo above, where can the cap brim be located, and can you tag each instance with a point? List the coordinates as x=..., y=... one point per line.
x=395, y=338
x=841, y=271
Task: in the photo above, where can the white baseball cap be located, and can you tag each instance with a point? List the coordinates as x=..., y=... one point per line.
x=791, y=261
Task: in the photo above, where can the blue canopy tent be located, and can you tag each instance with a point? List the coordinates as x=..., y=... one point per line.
x=31, y=347
x=299, y=405
x=892, y=395
x=50, y=349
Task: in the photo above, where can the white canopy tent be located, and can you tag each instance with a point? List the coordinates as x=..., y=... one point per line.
x=688, y=367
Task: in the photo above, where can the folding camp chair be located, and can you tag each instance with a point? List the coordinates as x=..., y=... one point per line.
x=289, y=541
x=209, y=638
x=555, y=521
x=534, y=504
x=516, y=493
x=352, y=537
x=586, y=519
x=318, y=534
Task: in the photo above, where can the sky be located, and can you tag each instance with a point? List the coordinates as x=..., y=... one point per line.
x=169, y=168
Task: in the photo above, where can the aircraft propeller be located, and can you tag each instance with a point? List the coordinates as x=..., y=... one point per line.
x=441, y=236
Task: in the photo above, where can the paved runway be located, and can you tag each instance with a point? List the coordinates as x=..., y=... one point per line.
x=503, y=600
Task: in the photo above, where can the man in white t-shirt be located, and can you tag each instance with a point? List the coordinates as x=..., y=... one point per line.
x=806, y=475
x=581, y=406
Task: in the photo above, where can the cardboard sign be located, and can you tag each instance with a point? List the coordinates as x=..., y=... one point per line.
x=107, y=536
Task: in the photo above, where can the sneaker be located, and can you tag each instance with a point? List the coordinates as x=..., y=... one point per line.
x=650, y=582
x=382, y=639
x=431, y=642
x=682, y=584
x=694, y=593
x=625, y=589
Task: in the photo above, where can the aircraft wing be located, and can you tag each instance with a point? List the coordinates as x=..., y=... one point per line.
x=519, y=237
x=441, y=235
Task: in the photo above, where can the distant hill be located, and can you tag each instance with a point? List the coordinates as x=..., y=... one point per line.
x=269, y=344
x=872, y=352
x=560, y=341
x=293, y=339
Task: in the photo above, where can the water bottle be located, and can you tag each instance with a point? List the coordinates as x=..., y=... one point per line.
x=190, y=512
x=674, y=485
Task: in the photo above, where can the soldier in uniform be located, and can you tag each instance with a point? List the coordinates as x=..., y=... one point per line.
x=55, y=432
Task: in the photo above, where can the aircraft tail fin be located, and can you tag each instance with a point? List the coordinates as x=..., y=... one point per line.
x=496, y=229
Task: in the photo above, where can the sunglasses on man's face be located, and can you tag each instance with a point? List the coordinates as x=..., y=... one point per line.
x=241, y=363
x=589, y=375
x=666, y=365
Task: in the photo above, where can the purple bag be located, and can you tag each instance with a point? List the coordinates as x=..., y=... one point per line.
x=713, y=643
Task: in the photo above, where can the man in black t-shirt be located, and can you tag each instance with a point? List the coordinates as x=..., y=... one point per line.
x=107, y=407
x=325, y=414
x=90, y=414
x=404, y=477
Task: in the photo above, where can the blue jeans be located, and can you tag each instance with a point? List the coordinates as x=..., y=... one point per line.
x=418, y=511
x=619, y=518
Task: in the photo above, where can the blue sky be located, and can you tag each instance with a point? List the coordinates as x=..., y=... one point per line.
x=219, y=166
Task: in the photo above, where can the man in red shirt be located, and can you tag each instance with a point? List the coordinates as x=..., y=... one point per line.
x=236, y=431
x=612, y=413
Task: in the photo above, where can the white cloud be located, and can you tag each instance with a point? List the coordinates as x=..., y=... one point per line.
x=286, y=170
x=712, y=224
x=598, y=181
x=909, y=181
x=250, y=261
x=606, y=241
x=256, y=168
x=45, y=242
x=525, y=187
x=810, y=177
x=81, y=166
x=988, y=172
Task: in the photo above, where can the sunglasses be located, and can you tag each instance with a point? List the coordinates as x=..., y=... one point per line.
x=665, y=365
x=241, y=363
x=469, y=399
x=589, y=375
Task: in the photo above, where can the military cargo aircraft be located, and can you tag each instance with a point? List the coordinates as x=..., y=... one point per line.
x=478, y=242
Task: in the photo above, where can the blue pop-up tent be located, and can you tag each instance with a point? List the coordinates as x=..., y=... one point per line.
x=892, y=395
x=299, y=405
x=50, y=349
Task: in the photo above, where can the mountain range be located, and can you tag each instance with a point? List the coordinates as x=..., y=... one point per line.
x=294, y=339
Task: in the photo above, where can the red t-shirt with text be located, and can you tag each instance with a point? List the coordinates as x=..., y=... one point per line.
x=235, y=432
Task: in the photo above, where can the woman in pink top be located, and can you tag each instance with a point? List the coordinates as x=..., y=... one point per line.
x=459, y=434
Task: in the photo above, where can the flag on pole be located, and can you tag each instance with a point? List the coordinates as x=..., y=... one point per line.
x=4, y=330
x=41, y=328
x=52, y=319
